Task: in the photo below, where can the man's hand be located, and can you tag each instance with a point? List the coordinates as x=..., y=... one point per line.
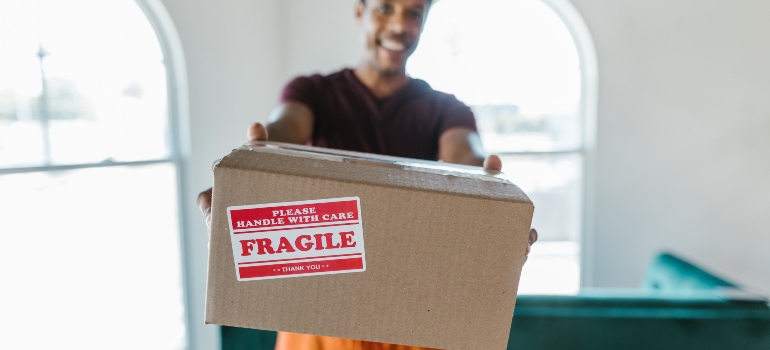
x=493, y=163
x=256, y=132
x=204, y=204
x=530, y=241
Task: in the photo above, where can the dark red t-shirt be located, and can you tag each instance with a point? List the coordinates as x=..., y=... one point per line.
x=405, y=124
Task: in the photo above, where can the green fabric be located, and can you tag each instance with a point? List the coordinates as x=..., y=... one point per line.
x=618, y=303
x=234, y=338
x=553, y=332
x=669, y=272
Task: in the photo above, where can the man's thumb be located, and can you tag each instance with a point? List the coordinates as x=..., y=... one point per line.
x=257, y=132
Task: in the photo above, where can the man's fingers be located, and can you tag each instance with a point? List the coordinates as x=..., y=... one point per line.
x=493, y=163
x=532, y=236
x=530, y=241
x=257, y=132
x=204, y=202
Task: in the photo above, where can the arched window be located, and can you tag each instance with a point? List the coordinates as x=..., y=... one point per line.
x=89, y=179
x=520, y=68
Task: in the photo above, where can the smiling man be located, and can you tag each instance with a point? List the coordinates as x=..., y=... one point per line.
x=376, y=108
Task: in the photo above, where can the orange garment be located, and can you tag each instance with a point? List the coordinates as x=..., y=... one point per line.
x=294, y=341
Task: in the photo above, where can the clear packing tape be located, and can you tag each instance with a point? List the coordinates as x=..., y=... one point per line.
x=432, y=167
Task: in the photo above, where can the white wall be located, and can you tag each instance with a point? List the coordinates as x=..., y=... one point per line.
x=319, y=36
x=683, y=118
x=683, y=123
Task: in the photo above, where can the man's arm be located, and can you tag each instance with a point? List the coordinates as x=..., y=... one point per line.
x=463, y=146
x=290, y=122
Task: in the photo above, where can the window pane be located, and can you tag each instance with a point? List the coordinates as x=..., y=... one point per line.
x=91, y=259
x=505, y=128
x=514, y=62
x=21, y=143
x=80, y=82
x=554, y=183
x=552, y=268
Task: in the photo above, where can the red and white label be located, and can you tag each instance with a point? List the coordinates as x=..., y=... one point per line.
x=293, y=239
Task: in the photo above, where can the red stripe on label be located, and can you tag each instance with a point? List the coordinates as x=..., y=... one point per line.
x=300, y=268
x=307, y=258
x=294, y=214
x=292, y=228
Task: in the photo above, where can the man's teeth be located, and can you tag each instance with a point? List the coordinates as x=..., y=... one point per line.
x=392, y=45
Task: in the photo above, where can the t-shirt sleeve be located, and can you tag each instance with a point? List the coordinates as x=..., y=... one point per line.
x=303, y=90
x=456, y=115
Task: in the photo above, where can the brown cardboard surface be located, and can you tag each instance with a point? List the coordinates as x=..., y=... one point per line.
x=444, y=249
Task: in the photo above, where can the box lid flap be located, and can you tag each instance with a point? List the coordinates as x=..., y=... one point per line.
x=374, y=169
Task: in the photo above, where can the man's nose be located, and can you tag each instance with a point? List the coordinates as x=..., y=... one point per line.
x=397, y=23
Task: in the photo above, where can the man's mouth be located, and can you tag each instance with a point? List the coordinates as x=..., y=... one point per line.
x=392, y=45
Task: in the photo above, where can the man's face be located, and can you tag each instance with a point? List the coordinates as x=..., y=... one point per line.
x=392, y=29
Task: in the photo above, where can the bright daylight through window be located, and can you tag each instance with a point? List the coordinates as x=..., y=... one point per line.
x=516, y=64
x=90, y=257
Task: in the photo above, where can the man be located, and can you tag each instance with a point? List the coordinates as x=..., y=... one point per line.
x=374, y=108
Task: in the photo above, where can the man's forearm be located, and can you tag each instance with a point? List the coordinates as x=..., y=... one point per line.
x=461, y=146
x=280, y=132
x=291, y=122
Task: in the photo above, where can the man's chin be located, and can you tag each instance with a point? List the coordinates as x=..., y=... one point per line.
x=389, y=72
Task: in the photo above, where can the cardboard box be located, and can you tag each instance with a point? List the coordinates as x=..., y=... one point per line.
x=351, y=245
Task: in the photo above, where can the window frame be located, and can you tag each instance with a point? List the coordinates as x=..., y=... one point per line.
x=196, y=334
x=589, y=87
x=179, y=146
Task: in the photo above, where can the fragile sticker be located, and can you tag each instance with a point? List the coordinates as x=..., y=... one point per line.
x=293, y=239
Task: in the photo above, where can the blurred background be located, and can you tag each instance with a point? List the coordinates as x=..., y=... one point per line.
x=635, y=128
